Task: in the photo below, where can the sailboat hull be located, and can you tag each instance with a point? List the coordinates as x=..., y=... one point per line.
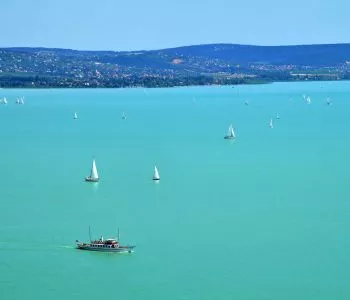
x=229, y=137
x=89, y=179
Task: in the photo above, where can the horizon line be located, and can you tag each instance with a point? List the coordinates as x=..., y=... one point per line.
x=176, y=47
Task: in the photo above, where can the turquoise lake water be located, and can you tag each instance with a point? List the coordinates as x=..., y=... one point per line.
x=265, y=216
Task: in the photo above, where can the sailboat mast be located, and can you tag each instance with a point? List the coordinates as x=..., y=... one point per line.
x=90, y=234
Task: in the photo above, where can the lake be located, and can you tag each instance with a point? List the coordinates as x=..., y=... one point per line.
x=264, y=216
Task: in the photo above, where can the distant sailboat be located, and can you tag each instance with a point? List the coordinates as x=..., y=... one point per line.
x=230, y=134
x=271, y=124
x=308, y=100
x=328, y=101
x=123, y=116
x=18, y=101
x=93, y=175
x=21, y=100
x=4, y=101
x=75, y=116
x=277, y=116
x=156, y=174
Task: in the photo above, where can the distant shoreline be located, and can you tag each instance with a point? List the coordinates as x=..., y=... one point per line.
x=162, y=86
x=215, y=64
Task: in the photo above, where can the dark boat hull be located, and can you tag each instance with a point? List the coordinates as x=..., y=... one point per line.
x=229, y=137
x=89, y=179
x=121, y=249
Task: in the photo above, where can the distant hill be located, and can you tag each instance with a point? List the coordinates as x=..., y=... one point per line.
x=200, y=64
x=311, y=55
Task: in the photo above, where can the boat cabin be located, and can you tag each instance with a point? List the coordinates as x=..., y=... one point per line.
x=109, y=243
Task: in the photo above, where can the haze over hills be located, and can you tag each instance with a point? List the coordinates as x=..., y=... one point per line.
x=200, y=64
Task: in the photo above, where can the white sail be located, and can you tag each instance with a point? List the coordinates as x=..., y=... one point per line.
x=308, y=100
x=232, y=132
x=94, y=174
x=156, y=174
x=4, y=100
x=75, y=116
x=271, y=124
x=22, y=100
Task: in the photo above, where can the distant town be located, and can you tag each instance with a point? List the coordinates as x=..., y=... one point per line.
x=215, y=64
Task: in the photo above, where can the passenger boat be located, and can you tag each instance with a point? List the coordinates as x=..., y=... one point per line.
x=102, y=245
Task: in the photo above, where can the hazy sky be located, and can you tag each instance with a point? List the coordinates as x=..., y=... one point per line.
x=155, y=24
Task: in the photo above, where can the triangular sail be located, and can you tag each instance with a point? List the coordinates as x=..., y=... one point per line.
x=156, y=174
x=231, y=132
x=271, y=124
x=94, y=174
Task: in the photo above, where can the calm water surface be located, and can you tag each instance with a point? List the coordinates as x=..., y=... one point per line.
x=263, y=217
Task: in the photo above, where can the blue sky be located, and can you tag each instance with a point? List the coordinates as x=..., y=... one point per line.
x=155, y=24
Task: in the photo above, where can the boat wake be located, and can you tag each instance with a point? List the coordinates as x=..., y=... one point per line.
x=66, y=247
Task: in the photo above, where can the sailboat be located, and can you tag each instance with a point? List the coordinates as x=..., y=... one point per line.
x=277, y=116
x=156, y=174
x=271, y=124
x=123, y=116
x=230, y=134
x=4, y=101
x=93, y=175
x=308, y=100
x=75, y=116
x=21, y=100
